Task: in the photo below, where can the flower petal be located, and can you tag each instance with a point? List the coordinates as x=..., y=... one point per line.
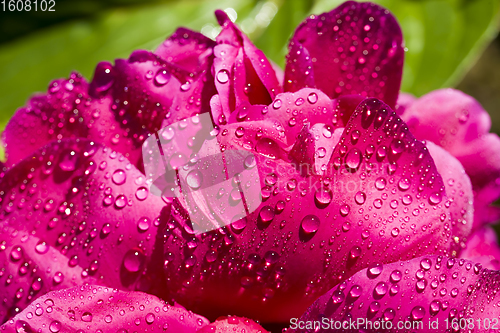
x=150, y=89
x=381, y=199
x=483, y=248
x=233, y=325
x=292, y=111
x=187, y=49
x=242, y=72
x=91, y=308
x=359, y=45
x=75, y=211
x=405, y=100
x=67, y=111
x=419, y=293
x=47, y=117
x=299, y=68
x=459, y=124
x=458, y=190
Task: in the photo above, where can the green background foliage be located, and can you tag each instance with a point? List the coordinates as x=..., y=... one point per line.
x=443, y=37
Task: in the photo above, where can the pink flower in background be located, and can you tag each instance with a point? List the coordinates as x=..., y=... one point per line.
x=347, y=194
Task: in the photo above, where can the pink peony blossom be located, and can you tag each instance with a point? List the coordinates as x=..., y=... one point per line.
x=316, y=190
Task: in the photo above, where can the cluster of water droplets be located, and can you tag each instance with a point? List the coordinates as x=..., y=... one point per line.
x=421, y=290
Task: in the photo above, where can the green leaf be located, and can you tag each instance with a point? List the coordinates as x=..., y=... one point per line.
x=30, y=63
x=444, y=38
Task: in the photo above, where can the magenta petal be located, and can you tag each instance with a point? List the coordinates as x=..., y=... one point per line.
x=381, y=199
x=482, y=247
x=292, y=111
x=447, y=117
x=233, y=325
x=458, y=123
x=74, y=212
x=405, y=100
x=46, y=117
x=358, y=45
x=67, y=111
x=424, y=291
x=144, y=87
x=238, y=60
x=189, y=50
x=458, y=190
x=299, y=68
x=91, y=308
x=481, y=161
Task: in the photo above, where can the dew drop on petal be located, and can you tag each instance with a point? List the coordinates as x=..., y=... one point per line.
x=310, y=224
x=119, y=177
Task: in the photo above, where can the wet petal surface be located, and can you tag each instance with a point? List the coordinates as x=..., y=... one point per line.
x=421, y=292
x=379, y=198
x=75, y=212
x=100, y=309
x=359, y=45
x=233, y=325
x=459, y=124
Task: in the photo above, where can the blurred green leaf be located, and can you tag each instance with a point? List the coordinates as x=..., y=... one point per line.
x=30, y=63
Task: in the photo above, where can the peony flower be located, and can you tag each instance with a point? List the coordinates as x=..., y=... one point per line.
x=195, y=174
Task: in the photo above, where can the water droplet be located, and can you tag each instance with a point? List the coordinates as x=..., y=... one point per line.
x=310, y=224
x=374, y=307
x=267, y=147
x=299, y=101
x=380, y=183
x=435, y=198
x=87, y=317
x=68, y=161
x=266, y=214
x=418, y=312
x=194, y=179
x=277, y=104
x=344, y=210
x=353, y=159
x=55, y=326
x=16, y=253
x=133, y=260
x=41, y=247
x=321, y=152
x=37, y=284
x=223, y=76
x=323, y=197
x=58, y=278
x=150, y=318
x=355, y=291
x=120, y=201
x=312, y=98
x=381, y=288
x=162, y=77
x=355, y=252
x=141, y=193
x=143, y=224
x=434, y=307
x=338, y=297
x=103, y=77
x=360, y=198
x=119, y=177
x=404, y=184
x=374, y=271
x=23, y=327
